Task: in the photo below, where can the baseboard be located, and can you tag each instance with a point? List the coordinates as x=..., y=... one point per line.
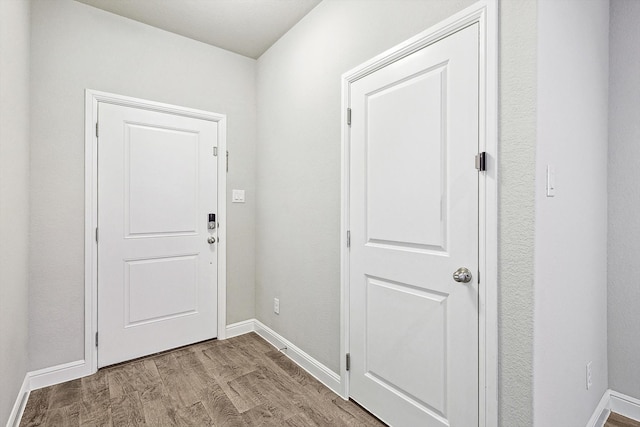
x=613, y=401
x=43, y=378
x=601, y=413
x=21, y=401
x=58, y=374
x=241, y=328
x=323, y=374
x=625, y=405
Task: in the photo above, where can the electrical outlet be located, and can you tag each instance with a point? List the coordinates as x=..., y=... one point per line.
x=276, y=306
x=589, y=381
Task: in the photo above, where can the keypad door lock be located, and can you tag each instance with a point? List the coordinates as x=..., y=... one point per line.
x=212, y=221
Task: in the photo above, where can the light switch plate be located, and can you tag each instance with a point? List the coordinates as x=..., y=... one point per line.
x=551, y=181
x=237, y=196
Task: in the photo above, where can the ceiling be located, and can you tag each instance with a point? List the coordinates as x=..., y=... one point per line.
x=247, y=27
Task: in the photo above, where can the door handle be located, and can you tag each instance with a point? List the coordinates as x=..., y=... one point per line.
x=211, y=240
x=462, y=275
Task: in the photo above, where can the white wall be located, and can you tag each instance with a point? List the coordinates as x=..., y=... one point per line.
x=624, y=198
x=14, y=199
x=571, y=228
x=298, y=178
x=75, y=46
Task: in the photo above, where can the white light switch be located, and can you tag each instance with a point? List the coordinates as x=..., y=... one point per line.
x=551, y=181
x=237, y=196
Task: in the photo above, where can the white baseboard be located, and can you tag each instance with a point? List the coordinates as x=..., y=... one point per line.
x=613, y=401
x=601, y=413
x=58, y=374
x=21, y=401
x=323, y=374
x=43, y=378
x=625, y=405
x=241, y=328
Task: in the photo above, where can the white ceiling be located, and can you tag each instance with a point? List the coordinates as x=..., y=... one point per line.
x=247, y=27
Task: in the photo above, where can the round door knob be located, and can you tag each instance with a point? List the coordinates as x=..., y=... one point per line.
x=211, y=240
x=462, y=275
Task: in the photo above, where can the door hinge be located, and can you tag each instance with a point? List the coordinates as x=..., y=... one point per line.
x=96, y=234
x=96, y=129
x=96, y=339
x=348, y=360
x=348, y=238
x=215, y=151
x=349, y=116
x=227, y=160
x=481, y=161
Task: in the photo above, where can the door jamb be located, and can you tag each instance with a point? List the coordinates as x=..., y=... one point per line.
x=485, y=13
x=92, y=99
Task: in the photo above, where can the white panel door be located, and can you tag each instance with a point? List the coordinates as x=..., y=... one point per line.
x=157, y=271
x=414, y=221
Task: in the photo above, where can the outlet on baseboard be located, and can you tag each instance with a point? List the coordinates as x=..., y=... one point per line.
x=276, y=306
x=589, y=381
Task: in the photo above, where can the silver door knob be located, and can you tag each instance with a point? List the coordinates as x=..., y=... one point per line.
x=211, y=240
x=462, y=275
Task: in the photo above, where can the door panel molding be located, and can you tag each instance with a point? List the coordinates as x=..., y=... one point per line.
x=92, y=99
x=484, y=13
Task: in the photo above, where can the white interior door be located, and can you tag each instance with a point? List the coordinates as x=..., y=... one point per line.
x=157, y=258
x=414, y=221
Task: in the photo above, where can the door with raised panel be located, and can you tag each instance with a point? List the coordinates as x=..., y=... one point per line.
x=157, y=256
x=414, y=221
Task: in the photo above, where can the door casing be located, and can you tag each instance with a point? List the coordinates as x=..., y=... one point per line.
x=92, y=99
x=485, y=13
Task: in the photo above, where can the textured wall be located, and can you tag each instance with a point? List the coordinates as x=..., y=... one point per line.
x=298, y=178
x=516, y=211
x=624, y=199
x=74, y=47
x=571, y=228
x=14, y=199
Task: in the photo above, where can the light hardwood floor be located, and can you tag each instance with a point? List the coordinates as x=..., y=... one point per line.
x=617, y=420
x=242, y=381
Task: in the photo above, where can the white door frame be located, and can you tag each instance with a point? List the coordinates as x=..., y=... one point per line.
x=485, y=13
x=92, y=98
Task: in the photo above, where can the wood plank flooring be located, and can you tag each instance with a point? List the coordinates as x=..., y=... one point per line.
x=242, y=381
x=617, y=420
